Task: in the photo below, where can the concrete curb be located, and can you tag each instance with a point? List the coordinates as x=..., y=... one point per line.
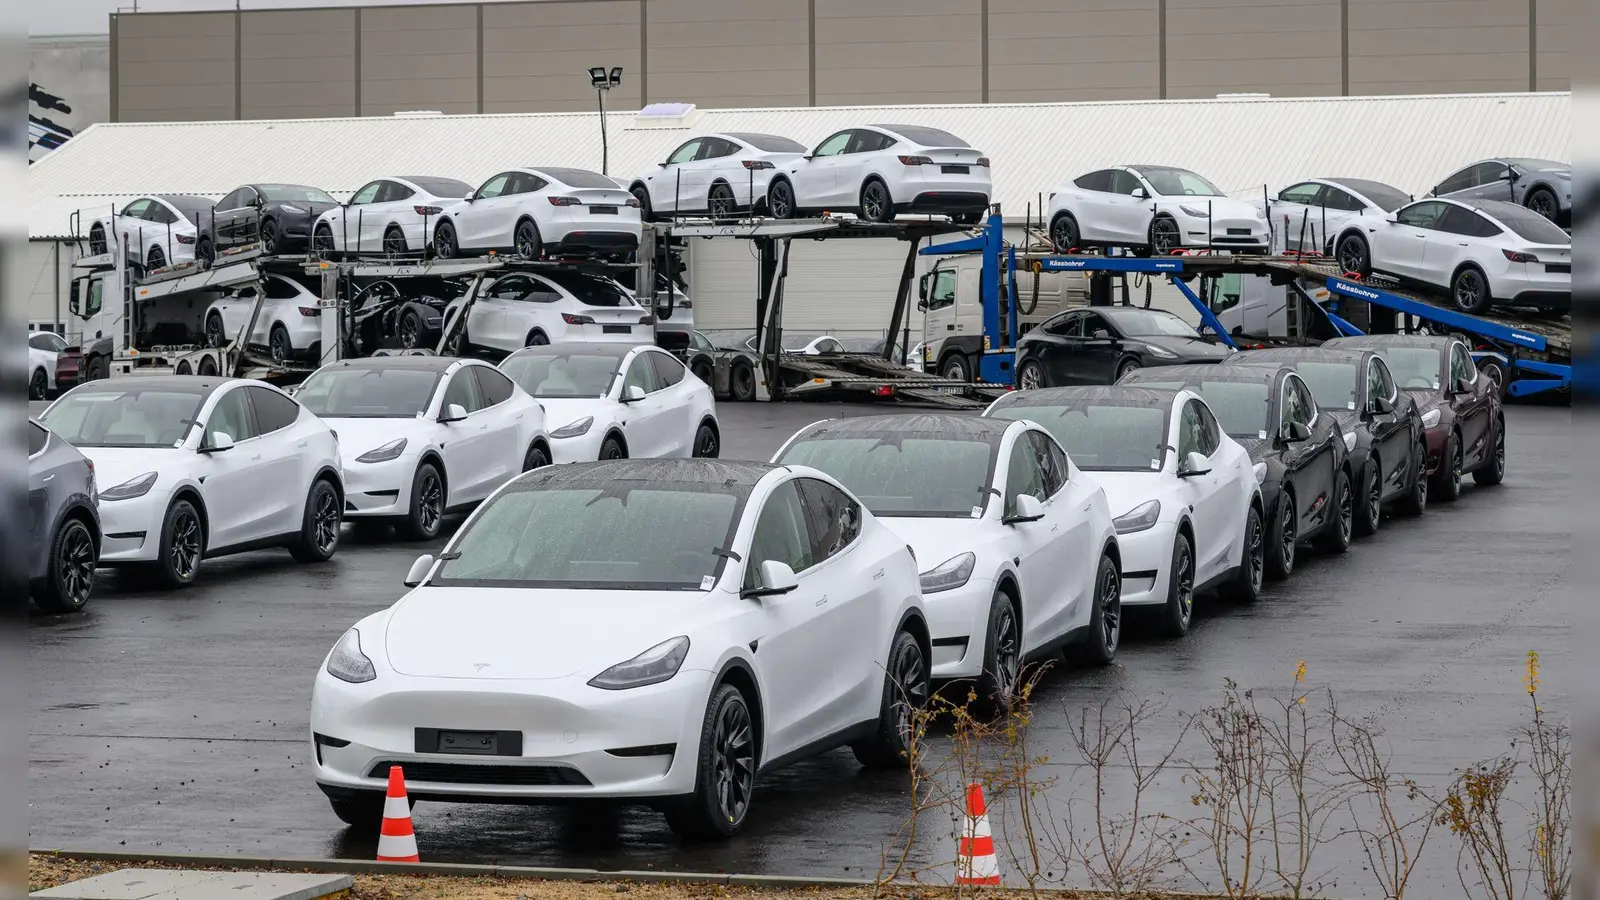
x=363, y=867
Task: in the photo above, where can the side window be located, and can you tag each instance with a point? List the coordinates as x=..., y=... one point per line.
x=1423, y=215
x=368, y=194
x=668, y=370
x=232, y=201
x=1460, y=181
x=463, y=390
x=1124, y=182
x=1069, y=325
x=496, y=388
x=864, y=141
x=159, y=214
x=280, y=289
x=1090, y=324
x=1210, y=432
x=835, y=519
x=37, y=438
x=642, y=374
x=1304, y=194
x=1333, y=198
x=273, y=410
x=716, y=148
x=1023, y=475
x=1051, y=465
x=1461, y=365
x=700, y=342
x=512, y=287
x=781, y=534
x=1095, y=181
x=1383, y=381
x=494, y=187
x=394, y=191
x=1486, y=173
x=232, y=416
x=1058, y=458
x=135, y=210
x=685, y=153
x=1305, y=408
x=1190, y=428
x=944, y=289
x=833, y=146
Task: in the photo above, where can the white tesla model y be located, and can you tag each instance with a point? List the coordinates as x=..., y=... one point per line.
x=881, y=171
x=718, y=174
x=1152, y=210
x=538, y=212
x=391, y=215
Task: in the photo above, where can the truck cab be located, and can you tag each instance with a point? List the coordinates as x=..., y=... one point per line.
x=1253, y=308
x=950, y=298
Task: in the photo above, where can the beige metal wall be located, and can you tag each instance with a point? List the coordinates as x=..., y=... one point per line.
x=532, y=56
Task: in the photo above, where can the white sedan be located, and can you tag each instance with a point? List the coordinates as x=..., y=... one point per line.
x=524, y=309
x=654, y=631
x=203, y=467
x=154, y=231
x=1479, y=252
x=717, y=174
x=289, y=324
x=616, y=401
x=1188, y=508
x=44, y=349
x=539, y=212
x=1017, y=550
x=391, y=215
x=1325, y=215
x=1152, y=210
x=422, y=436
x=881, y=171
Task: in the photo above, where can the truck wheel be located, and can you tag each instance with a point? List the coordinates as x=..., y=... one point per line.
x=742, y=383
x=208, y=366
x=954, y=368
x=97, y=368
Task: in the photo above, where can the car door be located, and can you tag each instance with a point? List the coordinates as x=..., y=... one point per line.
x=236, y=308
x=673, y=180
x=1390, y=433
x=1063, y=341
x=1310, y=462
x=130, y=230
x=1472, y=406
x=283, y=459
x=238, y=222
x=492, y=322
x=1099, y=351
x=46, y=487
x=1459, y=238
x=468, y=448
x=360, y=229
x=1291, y=215
x=855, y=164
x=502, y=425
x=1489, y=180
x=1400, y=245
x=852, y=599
x=1129, y=215
x=677, y=398
x=160, y=225
x=1093, y=209
x=647, y=423
x=1070, y=537
x=1215, y=512
x=476, y=222
x=1037, y=568
x=236, y=483
x=816, y=181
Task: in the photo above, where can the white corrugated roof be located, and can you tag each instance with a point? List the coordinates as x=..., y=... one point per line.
x=1240, y=144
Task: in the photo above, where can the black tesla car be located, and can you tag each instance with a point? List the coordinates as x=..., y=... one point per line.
x=1100, y=345
x=278, y=216
x=1299, y=455
x=1380, y=424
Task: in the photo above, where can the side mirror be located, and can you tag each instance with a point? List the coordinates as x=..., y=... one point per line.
x=922, y=306
x=1194, y=464
x=1028, y=509
x=1383, y=405
x=455, y=412
x=776, y=578
x=74, y=305
x=1100, y=334
x=220, y=441
x=662, y=164
x=922, y=286
x=470, y=197
x=1139, y=193
x=632, y=393
x=419, y=570
x=1297, y=431
x=1464, y=385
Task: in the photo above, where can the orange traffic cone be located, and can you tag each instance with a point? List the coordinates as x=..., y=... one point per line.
x=396, y=841
x=975, y=859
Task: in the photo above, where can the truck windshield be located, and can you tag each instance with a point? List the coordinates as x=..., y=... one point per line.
x=368, y=392
x=95, y=416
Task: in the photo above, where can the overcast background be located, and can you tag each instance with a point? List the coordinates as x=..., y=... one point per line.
x=92, y=16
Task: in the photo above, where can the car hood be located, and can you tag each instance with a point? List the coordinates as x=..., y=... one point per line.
x=1426, y=398
x=1257, y=449
x=508, y=633
x=357, y=436
x=119, y=465
x=560, y=412
x=315, y=210
x=1126, y=490
x=1193, y=349
x=935, y=540
x=1221, y=207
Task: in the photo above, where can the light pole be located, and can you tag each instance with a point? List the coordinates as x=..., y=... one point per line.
x=603, y=81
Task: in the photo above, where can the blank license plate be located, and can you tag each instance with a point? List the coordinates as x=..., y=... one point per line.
x=603, y=210
x=954, y=170
x=1559, y=268
x=484, y=743
x=616, y=329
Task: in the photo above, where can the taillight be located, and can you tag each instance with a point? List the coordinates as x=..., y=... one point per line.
x=883, y=390
x=686, y=304
x=572, y=319
x=563, y=201
x=756, y=164
x=983, y=161
x=1514, y=256
x=310, y=311
x=647, y=320
x=913, y=551
x=916, y=161
x=428, y=210
x=633, y=202
x=184, y=238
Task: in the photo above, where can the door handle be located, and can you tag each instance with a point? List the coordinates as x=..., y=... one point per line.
x=1054, y=528
x=823, y=599
x=256, y=458
x=303, y=444
x=875, y=576
x=52, y=475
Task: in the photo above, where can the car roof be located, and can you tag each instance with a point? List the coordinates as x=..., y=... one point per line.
x=186, y=201
x=1371, y=341
x=708, y=472
x=613, y=348
x=422, y=362
x=1199, y=372
x=944, y=425
x=1121, y=395
x=204, y=385
x=1309, y=354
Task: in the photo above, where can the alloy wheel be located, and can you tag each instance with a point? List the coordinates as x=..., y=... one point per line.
x=1422, y=478
x=733, y=759
x=1543, y=203
x=280, y=346
x=874, y=201
x=1499, y=462
x=431, y=502
x=1352, y=257
x=157, y=258
x=1286, y=531
x=721, y=201
x=1374, y=499
x=75, y=566
x=1456, y=464
x=910, y=682
x=1064, y=235
x=410, y=331
x=1469, y=290
x=527, y=241
x=1184, y=575
x=1029, y=378
x=780, y=200
x=612, y=450
x=325, y=521
x=269, y=239
x=444, y=242
x=38, y=385
x=708, y=444
x=1163, y=236
x=185, y=546
x=394, y=243
x=214, y=334
x=1110, y=607
x=1006, y=657
x=1347, y=512
x=324, y=240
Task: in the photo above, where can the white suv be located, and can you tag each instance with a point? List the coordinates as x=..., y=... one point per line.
x=524, y=309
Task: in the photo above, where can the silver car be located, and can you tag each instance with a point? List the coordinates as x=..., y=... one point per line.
x=1542, y=185
x=63, y=523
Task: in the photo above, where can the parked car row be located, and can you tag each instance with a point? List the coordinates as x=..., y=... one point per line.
x=686, y=602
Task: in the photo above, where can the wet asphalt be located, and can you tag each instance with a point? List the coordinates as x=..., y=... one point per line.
x=177, y=722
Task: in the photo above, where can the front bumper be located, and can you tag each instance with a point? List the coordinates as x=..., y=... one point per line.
x=958, y=619
x=1437, y=438
x=1223, y=233
x=131, y=529
x=583, y=448
x=576, y=741
x=1146, y=564
x=378, y=489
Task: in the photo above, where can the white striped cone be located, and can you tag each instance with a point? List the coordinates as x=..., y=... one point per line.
x=975, y=859
x=397, y=842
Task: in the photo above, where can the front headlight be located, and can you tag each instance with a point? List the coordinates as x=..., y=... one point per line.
x=1431, y=417
x=653, y=666
x=574, y=429
x=1261, y=472
x=1161, y=352
x=1141, y=518
x=348, y=663
x=292, y=209
x=385, y=453
x=950, y=574
x=1349, y=441
x=128, y=490
x=1197, y=213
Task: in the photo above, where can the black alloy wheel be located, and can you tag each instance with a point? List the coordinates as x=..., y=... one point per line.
x=1371, y=500
x=1164, y=236
x=528, y=241
x=410, y=330
x=38, y=385
x=1108, y=596
x=322, y=240
x=910, y=679
x=1247, y=585
x=156, y=259
x=72, y=566
x=279, y=346
x=725, y=771
x=444, y=241
x=1352, y=255
x=1282, y=538
x=1002, y=655
x=1128, y=365
x=1178, y=613
x=183, y=545
x=536, y=339
x=216, y=336
x=611, y=448
x=97, y=241
x=721, y=202
x=1030, y=377
x=1470, y=290
x=876, y=206
x=536, y=458
x=1543, y=202
x=394, y=242
x=1336, y=539
x=1493, y=471
x=642, y=194
x=319, y=532
x=780, y=199
x=427, y=504
x=269, y=237
x=706, y=445
x=205, y=252
x=1447, y=481
x=1064, y=234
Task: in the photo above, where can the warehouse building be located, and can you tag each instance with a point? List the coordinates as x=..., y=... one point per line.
x=1244, y=145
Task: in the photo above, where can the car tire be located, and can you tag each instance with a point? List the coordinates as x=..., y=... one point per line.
x=1282, y=538
x=155, y=260
x=408, y=332
x=322, y=240
x=216, y=332
x=781, y=199
x=742, y=383
x=954, y=367
x=182, y=368
x=319, y=524
x=1098, y=646
x=1543, y=201
x=707, y=444
x=269, y=237
x=907, y=684
x=207, y=367
x=1177, y=614
x=182, y=545
x=720, y=203
x=611, y=448
x=279, y=347
x=362, y=810
x=1336, y=539
x=1415, y=501
x=445, y=244
x=1002, y=656
x=1064, y=233
x=875, y=203
x=205, y=253
x=726, y=758
x=642, y=194
x=1369, y=511
x=1497, y=375
x=38, y=384
x=1353, y=256
x=1447, y=481
x=1493, y=469
x=394, y=242
x=702, y=371
x=1165, y=236
x=97, y=241
x=1469, y=290
x=426, y=515
x=537, y=457
x=1126, y=366
x=70, y=580
x=1031, y=376
x=536, y=338
x=528, y=241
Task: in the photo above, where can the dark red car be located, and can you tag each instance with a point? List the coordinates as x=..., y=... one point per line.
x=1460, y=406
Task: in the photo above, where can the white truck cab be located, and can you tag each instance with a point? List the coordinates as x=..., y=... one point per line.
x=952, y=312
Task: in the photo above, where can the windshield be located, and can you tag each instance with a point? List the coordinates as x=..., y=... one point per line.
x=1101, y=438
x=1149, y=323
x=904, y=474
x=130, y=417
x=295, y=192
x=575, y=374
x=591, y=290
x=1334, y=385
x=1387, y=198
x=1177, y=182
x=628, y=536
x=1414, y=367
x=361, y=392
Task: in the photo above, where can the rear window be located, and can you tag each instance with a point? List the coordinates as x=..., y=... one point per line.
x=443, y=187
x=581, y=178
x=591, y=290
x=770, y=143
x=1527, y=224
x=927, y=137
